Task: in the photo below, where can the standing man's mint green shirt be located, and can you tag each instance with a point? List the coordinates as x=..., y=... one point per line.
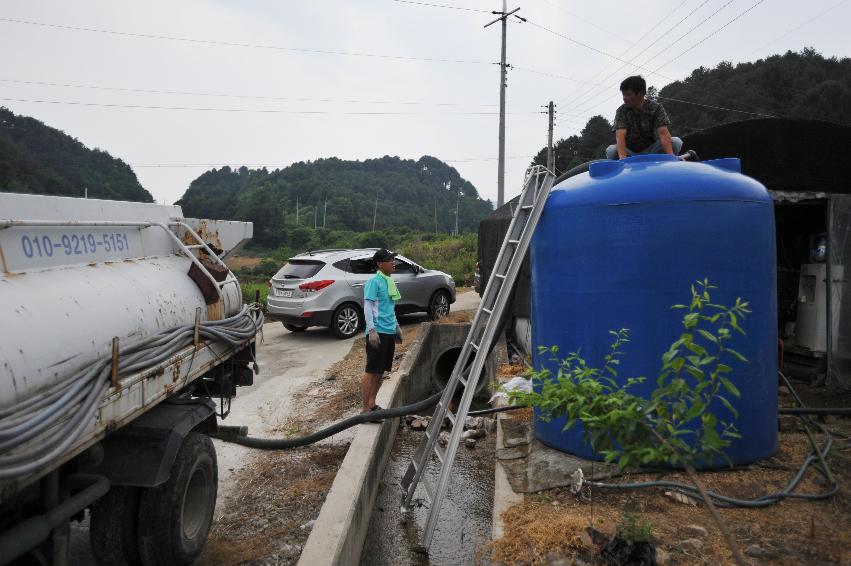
x=382, y=291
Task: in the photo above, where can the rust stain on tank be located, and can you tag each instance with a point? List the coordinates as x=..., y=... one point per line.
x=175, y=373
x=214, y=311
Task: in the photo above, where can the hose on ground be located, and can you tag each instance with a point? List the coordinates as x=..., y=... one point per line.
x=817, y=458
x=37, y=430
x=339, y=426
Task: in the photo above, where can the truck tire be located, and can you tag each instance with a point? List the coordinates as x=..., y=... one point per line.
x=175, y=517
x=113, y=528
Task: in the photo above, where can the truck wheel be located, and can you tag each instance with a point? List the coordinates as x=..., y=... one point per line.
x=175, y=517
x=112, y=530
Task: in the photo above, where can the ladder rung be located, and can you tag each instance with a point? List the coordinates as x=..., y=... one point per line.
x=194, y=246
x=451, y=416
x=488, y=311
x=527, y=206
x=513, y=242
x=474, y=346
x=499, y=275
x=440, y=453
x=428, y=489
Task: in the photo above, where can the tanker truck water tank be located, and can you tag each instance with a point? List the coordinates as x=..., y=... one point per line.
x=617, y=246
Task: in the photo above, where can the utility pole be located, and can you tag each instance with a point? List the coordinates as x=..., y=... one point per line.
x=457, y=200
x=374, y=215
x=503, y=68
x=551, y=112
x=325, y=213
x=435, y=215
x=315, y=210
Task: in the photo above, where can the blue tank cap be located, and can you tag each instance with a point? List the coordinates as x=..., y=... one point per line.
x=611, y=167
x=606, y=167
x=733, y=164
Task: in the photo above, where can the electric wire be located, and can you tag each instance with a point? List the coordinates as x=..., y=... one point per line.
x=248, y=110
x=585, y=92
x=429, y=5
x=670, y=45
x=281, y=165
x=713, y=33
x=36, y=431
x=238, y=44
x=239, y=96
x=799, y=26
x=584, y=95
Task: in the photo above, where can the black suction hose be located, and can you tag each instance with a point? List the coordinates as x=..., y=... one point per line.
x=288, y=443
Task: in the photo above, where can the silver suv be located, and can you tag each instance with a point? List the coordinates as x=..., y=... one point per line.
x=325, y=288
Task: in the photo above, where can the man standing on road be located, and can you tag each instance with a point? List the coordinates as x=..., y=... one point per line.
x=641, y=125
x=382, y=329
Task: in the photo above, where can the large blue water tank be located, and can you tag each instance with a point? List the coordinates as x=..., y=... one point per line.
x=617, y=246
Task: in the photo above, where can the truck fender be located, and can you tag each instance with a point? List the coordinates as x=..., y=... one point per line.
x=141, y=453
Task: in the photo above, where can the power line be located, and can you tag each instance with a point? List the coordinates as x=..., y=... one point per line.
x=739, y=15
x=590, y=23
x=276, y=166
x=426, y=4
x=713, y=33
x=623, y=54
x=239, y=44
x=587, y=99
x=243, y=96
x=247, y=110
x=716, y=107
x=592, y=48
x=796, y=28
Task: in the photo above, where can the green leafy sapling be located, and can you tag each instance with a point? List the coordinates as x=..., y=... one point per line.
x=677, y=425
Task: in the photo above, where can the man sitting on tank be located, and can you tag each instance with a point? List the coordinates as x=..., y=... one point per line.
x=641, y=125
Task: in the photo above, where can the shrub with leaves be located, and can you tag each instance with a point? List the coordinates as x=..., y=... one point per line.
x=677, y=424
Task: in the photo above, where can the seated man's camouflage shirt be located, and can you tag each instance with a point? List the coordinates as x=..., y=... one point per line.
x=641, y=126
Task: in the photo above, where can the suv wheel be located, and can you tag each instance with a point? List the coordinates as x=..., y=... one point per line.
x=346, y=321
x=438, y=305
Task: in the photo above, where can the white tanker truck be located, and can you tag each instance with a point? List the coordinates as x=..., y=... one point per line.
x=122, y=337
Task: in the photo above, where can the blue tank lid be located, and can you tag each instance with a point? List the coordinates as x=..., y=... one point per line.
x=659, y=178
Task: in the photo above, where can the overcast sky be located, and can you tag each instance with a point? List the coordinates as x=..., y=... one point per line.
x=164, y=84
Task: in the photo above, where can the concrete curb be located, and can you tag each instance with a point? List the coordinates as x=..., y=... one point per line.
x=503, y=496
x=338, y=535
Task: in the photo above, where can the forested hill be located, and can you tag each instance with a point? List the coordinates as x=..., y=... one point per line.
x=793, y=85
x=418, y=195
x=38, y=159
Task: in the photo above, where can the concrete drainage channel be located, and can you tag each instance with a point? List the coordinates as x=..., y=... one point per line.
x=340, y=530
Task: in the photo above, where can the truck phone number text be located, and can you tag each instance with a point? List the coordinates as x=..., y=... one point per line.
x=73, y=244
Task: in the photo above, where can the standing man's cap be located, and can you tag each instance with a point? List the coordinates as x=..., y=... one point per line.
x=383, y=255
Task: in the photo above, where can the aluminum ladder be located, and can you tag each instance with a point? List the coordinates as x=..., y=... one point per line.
x=467, y=372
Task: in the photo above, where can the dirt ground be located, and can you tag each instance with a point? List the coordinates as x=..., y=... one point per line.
x=551, y=525
x=240, y=262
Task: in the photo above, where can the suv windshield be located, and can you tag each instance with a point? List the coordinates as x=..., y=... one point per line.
x=299, y=269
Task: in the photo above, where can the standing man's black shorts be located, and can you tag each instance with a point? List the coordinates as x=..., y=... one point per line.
x=381, y=359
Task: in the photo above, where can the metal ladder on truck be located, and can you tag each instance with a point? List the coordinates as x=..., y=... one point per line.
x=468, y=368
